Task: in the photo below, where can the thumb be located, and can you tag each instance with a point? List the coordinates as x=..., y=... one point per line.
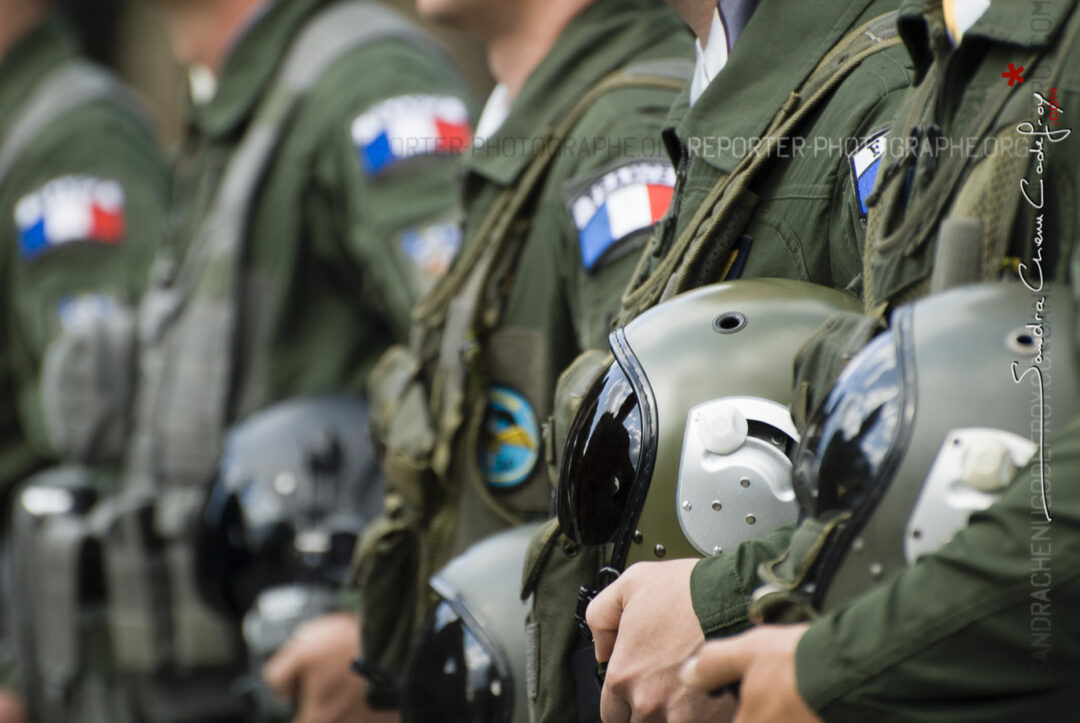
x=282, y=672
x=603, y=616
x=718, y=663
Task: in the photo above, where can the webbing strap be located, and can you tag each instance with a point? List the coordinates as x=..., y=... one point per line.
x=72, y=85
x=672, y=274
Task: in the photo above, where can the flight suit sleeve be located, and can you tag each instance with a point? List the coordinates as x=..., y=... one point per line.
x=80, y=220
x=620, y=184
x=981, y=630
x=397, y=155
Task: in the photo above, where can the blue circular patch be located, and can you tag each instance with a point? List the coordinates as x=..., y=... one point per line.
x=510, y=446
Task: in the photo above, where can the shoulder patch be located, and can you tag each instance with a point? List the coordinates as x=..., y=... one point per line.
x=619, y=203
x=511, y=449
x=69, y=210
x=409, y=126
x=865, y=164
x=432, y=249
x=86, y=309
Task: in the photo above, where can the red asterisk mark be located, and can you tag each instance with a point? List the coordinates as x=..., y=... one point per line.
x=1014, y=74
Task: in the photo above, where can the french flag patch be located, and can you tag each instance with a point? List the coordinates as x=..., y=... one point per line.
x=865, y=166
x=69, y=210
x=410, y=126
x=622, y=202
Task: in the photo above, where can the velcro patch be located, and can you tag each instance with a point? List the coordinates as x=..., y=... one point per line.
x=433, y=248
x=69, y=210
x=85, y=310
x=620, y=203
x=409, y=126
x=865, y=165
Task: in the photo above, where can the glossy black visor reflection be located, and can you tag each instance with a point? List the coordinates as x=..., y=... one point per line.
x=453, y=677
x=601, y=460
x=851, y=435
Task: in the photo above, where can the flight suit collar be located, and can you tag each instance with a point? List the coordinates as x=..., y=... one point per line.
x=251, y=65
x=1009, y=22
x=783, y=41
x=604, y=37
x=28, y=62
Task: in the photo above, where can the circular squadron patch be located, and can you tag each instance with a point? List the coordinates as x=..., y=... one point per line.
x=510, y=446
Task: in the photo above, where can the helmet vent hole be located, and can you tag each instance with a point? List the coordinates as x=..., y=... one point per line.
x=1022, y=341
x=729, y=323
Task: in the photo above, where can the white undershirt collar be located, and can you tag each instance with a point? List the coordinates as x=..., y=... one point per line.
x=710, y=60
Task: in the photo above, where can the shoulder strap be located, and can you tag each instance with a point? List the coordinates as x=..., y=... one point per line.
x=72, y=85
x=673, y=274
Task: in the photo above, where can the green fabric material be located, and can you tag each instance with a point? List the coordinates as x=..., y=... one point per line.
x=822, y=359
x=325, y=260
x=958, y=636
x=555, y=628
x=100, y=140
x=807, y=224
x=732, y=579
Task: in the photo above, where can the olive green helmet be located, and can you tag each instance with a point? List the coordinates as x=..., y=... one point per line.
x=469, y=666
x=713, y=368
x=930, y=422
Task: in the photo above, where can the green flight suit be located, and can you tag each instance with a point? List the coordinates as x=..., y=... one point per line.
x=58, y=265
x=574, y=251
x=801, y=218
x=354, y=216
x=981, y=630
x=51, y=272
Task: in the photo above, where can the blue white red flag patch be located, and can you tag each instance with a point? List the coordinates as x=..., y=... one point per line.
x=69, y=210
x=865, y=165
x=410, y=126
x=620, y=203
x=432, y=249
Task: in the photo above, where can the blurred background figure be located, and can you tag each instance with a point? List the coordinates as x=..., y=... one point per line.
x=313, y=201
x=300, y=233
x=82, y=195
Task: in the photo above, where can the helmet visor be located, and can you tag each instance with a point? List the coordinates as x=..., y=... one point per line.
x=455, y=675
x=853, y=441
x=602, y=459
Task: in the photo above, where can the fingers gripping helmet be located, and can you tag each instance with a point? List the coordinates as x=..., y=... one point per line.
x=931, y=422
x=469, y=666
x=296, y=487
x=681, y=447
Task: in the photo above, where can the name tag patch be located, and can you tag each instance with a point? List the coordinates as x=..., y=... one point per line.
x=410, y=126
x=619, y=204
x=865, y=165
x=69, y=210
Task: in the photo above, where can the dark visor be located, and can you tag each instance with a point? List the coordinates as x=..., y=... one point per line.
x=455, y=676
x=851, y=445
x=601, y=460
